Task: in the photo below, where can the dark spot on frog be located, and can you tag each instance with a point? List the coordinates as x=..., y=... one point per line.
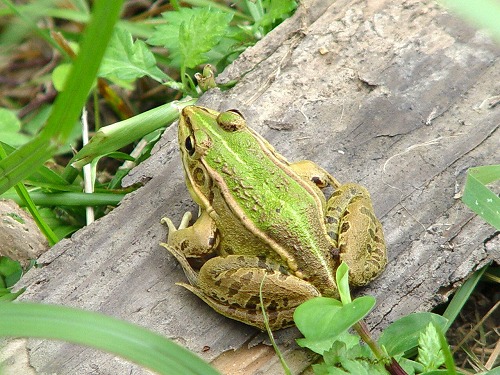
x=252, y=302
x=234, y=289
x=367, y=212
x=330, y=220
x=273, y=305
x=335, y=253
x=317, y=180
x=278, y=210
x=369, y=248
x=261, y=263
x=248, y=276
x=199, y=176
x=211, y=196
x=345, y=227
x=333, y=235
x=184, y=244
x=283, y=270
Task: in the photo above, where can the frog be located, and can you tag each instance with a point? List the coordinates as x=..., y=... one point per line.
x=265, y=228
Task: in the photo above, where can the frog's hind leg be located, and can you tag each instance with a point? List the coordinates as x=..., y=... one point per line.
x=312, y=172
x=231, y=284
x=351, y=222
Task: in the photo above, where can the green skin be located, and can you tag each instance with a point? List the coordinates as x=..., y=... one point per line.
x=262, y=217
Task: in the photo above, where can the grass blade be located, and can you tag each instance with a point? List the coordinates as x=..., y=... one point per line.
x=101, y=332
x=20, y=163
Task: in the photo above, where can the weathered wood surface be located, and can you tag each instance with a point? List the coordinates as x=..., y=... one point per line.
x=388, y=94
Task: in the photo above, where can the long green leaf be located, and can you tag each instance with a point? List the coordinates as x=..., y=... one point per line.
x=460, y=298
x=69, y=198
x=112, y=137
x=69, y=103
x=101, y=332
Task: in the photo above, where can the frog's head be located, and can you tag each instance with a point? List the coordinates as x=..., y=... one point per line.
x=210, y=141
x=201, y=128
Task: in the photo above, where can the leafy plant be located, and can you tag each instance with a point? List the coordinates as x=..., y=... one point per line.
x=10, y=273
x=416, y=341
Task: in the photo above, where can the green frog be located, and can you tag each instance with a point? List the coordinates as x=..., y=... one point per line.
x=262, y=217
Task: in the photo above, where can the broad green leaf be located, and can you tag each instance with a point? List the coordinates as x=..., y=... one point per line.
x=190, y=33
x=60, y=76
x=102, y=332
x=10, y=271
x=322, y=319
x=10, y=127
x=403, y=334
x=276, y=10
x=478, y=197
x=200, y=34
x=126, y=60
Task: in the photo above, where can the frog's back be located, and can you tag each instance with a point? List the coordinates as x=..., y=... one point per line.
x=281, y=214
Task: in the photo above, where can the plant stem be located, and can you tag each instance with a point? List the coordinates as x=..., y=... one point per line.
x=390, y=364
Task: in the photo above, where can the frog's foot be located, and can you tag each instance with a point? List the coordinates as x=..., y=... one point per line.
x=190, y=273
x=231, y=286
x=351, y=222
x=192, y=245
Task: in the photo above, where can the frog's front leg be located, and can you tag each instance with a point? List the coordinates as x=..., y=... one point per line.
x=231, y=284
x=196, y=243
x=351, y=222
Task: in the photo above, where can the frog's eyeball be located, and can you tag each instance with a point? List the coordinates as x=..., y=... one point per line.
x=189, y=144
x=231, y=120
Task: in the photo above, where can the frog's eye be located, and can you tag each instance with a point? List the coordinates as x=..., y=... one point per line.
x=231, y=120
x=235, y=111
x=189, y=144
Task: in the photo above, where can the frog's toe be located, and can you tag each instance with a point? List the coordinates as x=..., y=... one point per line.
x=186, y=218
x=166, y=221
